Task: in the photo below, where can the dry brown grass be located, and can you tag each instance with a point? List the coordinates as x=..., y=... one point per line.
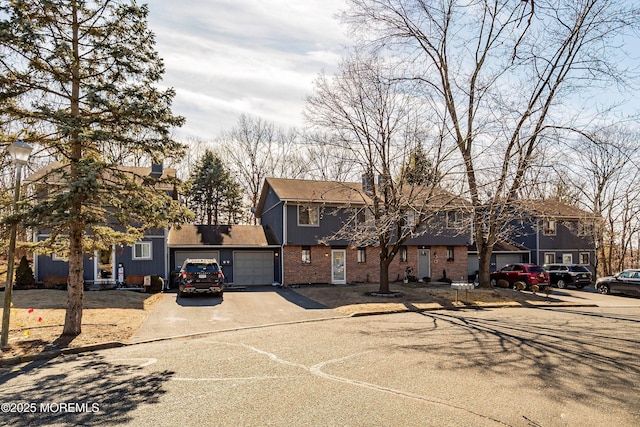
x=37, y=319
x=354, y=299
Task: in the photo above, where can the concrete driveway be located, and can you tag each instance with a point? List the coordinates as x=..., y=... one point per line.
x=251, y=306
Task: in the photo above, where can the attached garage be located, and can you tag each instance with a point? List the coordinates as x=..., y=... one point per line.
x=504, y=259
x=180, y=256
x=253, y=268
x=246, y=253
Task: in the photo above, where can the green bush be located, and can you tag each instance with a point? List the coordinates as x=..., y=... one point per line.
x=24, y=275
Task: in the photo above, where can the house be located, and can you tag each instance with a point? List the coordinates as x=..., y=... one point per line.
x=302, y=214
x=119, y=263
x=248, y=254
x=545, y=232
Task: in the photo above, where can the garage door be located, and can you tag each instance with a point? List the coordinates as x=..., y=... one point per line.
x=252, y=268
x=503, y=259
x=180, y=256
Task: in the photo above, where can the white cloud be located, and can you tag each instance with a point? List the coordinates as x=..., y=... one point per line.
x=225, y=58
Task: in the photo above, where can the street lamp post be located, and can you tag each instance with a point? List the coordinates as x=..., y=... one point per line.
x=19, y=152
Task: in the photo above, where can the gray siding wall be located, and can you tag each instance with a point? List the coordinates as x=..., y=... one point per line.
x=332, y=219
x=272, y=215
x=153, y=266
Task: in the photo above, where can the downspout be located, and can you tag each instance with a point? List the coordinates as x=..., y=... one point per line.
x=284, y=240
x=166, y=258
x=36, y=256
x=537, y=242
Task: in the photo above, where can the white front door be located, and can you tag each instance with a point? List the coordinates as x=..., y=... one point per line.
x=338, y=266
x=424, y=263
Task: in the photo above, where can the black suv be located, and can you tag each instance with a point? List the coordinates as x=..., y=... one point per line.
x=200, y=276
x=562, y=275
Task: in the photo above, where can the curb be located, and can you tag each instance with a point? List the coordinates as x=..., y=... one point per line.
x=52, y=354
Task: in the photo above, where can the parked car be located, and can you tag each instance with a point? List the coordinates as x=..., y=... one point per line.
x=530, y=274
x=201, y=276
x=562, y=275
x=625, y=282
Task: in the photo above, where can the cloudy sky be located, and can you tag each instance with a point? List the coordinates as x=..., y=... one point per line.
x=228, y=57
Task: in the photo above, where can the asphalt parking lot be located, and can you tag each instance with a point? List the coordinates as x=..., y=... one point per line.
x=570, y=366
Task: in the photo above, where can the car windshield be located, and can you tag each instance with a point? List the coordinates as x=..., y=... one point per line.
x=201, y=268
x=579, y=268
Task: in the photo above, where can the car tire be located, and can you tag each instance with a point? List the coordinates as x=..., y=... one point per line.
x=604, y=289
x=579, y=286
x=560, y=284
x=493, y=283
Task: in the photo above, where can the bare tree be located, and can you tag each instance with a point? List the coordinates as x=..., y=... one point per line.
x=375, y=117
x=606, y=173
x=327, y=159
x=255, y=149
x=499, y=72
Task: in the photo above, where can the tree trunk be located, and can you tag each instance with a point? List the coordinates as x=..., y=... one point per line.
x=385, y=260
x=75, y=288
x=484, y=265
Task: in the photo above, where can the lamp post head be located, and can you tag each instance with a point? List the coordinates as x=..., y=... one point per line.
x=20, y=152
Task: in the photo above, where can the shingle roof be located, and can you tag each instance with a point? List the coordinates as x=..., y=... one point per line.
x=218, y=235
x=554, y=209
x=321, y=191
x=52, y=176
x=335, y=192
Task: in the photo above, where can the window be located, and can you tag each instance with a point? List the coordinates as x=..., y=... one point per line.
x=549, y=257
x=56, y=257
x=364, y=217
x=142, y=250
x=309, y=215
x=450, y=252
x=585, y=258
x=411, y=219
x=584, y=229
x=403, y=254
x=306, y=255
x=549, y=227
x=454, y=219
x=567, y=258
x=362, y=255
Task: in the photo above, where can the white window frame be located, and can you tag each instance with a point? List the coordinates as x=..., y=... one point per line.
x=362, y=255
x=549, y=227
x=453, y=219
x=305, y=255
x=549, y=258
x=316, y=209
x=403, y=254
x=142, y=245
x=582, y=255
x=56, y=257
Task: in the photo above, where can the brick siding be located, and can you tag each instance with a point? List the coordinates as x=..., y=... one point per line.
x=319, y=270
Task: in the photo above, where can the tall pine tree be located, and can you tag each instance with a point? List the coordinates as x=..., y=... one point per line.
x=212, y=193
x=78, y=80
